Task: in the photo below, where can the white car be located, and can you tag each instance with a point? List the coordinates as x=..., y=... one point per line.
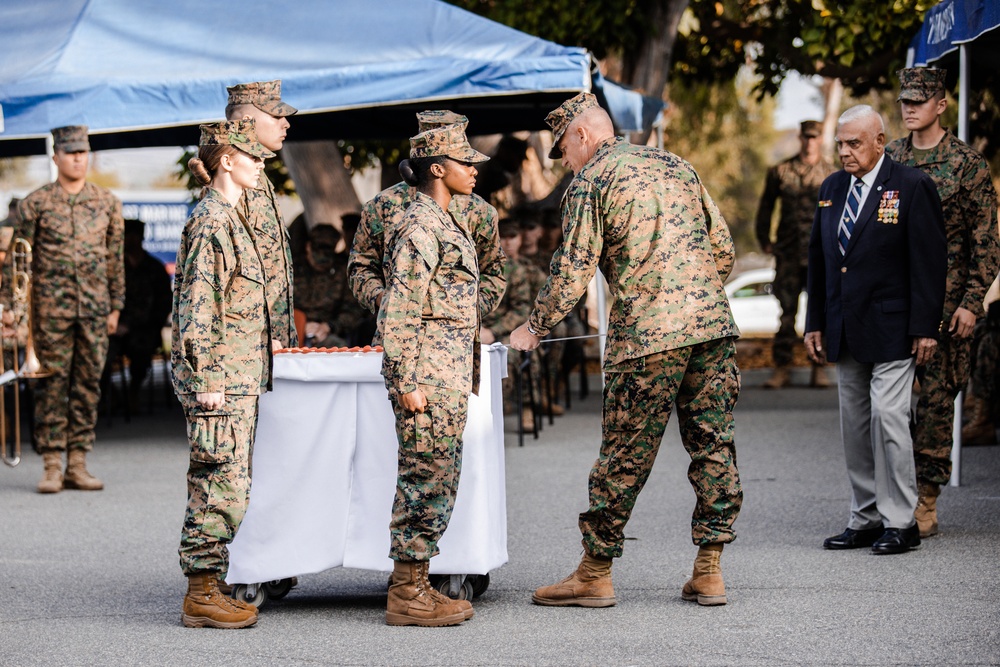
x=755, y=308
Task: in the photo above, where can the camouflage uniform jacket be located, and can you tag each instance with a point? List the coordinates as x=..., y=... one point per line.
x=381, y=216
x=221, y=338
x=515, y=306
x=78, y=269
x=260, y=207
x=969, y=205
x=429, y=317
x=643, y=216
x=796, y=184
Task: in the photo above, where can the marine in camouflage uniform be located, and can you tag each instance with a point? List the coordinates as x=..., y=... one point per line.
x=968, y=202
x=523, y=280
x=795, y=182
x=381, y=216
x=221, y=343
x=260, y=207
x=643, y=216
x=78, y=290
x=321, y=290
x=430, y=322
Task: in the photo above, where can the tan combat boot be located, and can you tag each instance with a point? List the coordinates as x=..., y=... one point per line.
x=926, y=512
x=462, y=605
x=528, y=418
x=781, y=377
x=705, y=585
x=77, y=476
x=205, y=607
x=819, y=380
x=413, y=601
x=589, y=586
x=980, y=430
x=52, y=478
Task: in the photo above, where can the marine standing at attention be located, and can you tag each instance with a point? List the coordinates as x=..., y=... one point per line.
x=221, y=358
x=430, y=319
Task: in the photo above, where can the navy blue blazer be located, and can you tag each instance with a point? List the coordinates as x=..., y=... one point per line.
x=889, y=286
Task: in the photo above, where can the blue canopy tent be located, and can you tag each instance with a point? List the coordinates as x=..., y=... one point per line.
x=962, y=36
x=145, y=74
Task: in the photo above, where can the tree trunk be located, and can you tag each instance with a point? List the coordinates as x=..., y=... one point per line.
x=322, y=181
x=651, y=69
x=833, y=93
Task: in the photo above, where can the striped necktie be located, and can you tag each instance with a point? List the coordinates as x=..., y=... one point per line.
x=846, y=227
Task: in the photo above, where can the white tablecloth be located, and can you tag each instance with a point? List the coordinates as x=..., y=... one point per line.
x=324, y=474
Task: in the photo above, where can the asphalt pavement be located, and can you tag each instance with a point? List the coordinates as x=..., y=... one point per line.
x=91, y=578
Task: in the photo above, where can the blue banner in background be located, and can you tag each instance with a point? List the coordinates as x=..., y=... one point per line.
x=950, y=23
x=164, y=224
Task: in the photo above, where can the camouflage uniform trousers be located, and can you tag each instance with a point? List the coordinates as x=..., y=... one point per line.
x=75, y=351
x=218, y=480
x=430, y=464
x=789, y=281
x=941, y=379
x=704, y=383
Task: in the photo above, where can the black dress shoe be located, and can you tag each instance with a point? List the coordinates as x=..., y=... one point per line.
x=897, y=540
x=854, y=539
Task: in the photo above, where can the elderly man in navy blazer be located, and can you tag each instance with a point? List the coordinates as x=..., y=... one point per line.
x=877, y=262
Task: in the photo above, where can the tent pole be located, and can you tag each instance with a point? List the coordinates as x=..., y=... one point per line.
x=963, y=134
x=50, y=150
x=963, y=93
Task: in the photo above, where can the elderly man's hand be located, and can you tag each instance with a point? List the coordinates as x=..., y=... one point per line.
x=524, y=340
x=923, y=348
x=814, y=347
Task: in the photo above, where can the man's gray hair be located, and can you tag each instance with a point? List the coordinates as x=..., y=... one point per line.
x=862, y=112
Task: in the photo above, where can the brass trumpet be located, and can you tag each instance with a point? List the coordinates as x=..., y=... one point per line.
x=31, y=368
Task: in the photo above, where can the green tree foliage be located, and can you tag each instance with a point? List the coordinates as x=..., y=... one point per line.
x=606, y=28
x=725, y=133
x=860, y=42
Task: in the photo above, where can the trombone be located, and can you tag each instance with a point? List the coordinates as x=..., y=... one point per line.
x=31, y=368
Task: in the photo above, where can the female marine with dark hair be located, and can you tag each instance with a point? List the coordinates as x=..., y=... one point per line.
x=221, y=358
x=429, y=321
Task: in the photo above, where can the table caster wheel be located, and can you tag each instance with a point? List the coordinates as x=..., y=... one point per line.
x=255, y=594
x=455, y=586
x=278, y=588
x=480, y=582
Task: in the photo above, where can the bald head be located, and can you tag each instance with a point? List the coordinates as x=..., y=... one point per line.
x=860, y=139
x=581, y=139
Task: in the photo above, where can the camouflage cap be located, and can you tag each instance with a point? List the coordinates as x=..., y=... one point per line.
x=428, y=120
x=811, y=128
x=919, y=84
x=71, y=138
x=265, y=95
x=240, y=134
x=449, y=141
x=567, y=112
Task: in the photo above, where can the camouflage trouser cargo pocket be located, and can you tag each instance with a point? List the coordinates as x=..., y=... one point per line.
x=423, y=432
x=213, y=437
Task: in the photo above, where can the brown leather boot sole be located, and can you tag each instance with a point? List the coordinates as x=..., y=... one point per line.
x=573, y=602
x=206, y=622
x=704, y=600
x=394, y=618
